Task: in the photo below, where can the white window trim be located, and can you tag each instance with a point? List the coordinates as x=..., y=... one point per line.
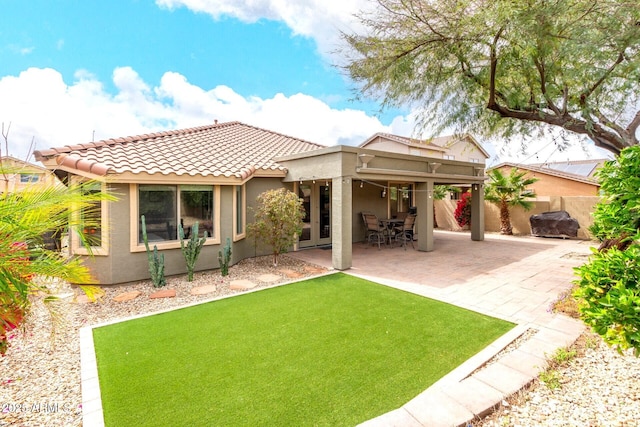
x=238, y=236
x=134, y=246
x=77, y=248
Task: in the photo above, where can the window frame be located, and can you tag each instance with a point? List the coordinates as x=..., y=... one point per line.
x=242, y=215
x=134, y=210
x=76, y=246
x=29, y=178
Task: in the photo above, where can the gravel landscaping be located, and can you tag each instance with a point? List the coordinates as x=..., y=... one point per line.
x=40, y=376
x=597, y=388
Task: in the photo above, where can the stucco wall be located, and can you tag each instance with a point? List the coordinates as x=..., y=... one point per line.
x=549, y=185
x=579, y=208
x=121, y=265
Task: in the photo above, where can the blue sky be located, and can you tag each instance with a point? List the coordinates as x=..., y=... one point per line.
x=77, y=70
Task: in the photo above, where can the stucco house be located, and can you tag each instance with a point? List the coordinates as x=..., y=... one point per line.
x=451, y=147
x=212, y=174
x=17, y=175
x=556, y=181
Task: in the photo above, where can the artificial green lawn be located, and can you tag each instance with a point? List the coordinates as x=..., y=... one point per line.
x=334, y=350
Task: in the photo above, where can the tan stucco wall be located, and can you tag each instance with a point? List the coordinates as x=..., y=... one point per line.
x=10, y=179
x=580, y=208
x=548, y=185
x=465, y=151
x=387, y=145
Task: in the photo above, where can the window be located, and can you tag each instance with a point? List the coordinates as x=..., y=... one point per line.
x=91, y=218
x=239, y=215
x=166, y=206
x=196, y=205
x=448, y=157
x=26, y=178
x=94, y=224
x=474, y=160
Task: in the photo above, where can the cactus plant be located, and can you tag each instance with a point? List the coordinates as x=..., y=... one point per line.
x=156, y=261
x=224, y=256
x=191, y=251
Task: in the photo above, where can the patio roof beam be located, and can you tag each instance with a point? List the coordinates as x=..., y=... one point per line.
x=469, y=179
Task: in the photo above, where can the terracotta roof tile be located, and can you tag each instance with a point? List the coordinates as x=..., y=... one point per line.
x=230, y=149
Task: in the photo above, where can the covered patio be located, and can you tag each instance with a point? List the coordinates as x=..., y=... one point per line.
x=360, y=180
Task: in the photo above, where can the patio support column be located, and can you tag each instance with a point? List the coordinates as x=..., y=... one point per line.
x=477, y=212
x=341, y=223
x=424, y=220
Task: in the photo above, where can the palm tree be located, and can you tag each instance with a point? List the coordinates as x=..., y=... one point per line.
x=508, y=191
x=25, y=264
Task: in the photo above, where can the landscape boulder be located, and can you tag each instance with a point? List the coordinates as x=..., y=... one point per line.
x=554, y=224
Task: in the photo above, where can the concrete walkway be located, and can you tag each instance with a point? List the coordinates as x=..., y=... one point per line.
x=512, y=278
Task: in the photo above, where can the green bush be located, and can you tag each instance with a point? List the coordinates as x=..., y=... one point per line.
x=618, y=214
x=607, y=291
x=609, y=296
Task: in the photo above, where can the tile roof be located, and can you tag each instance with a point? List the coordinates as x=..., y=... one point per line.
x=230, y=149
x=403, y=140
x=548, y=171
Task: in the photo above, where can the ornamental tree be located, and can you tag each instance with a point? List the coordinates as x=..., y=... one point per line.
x=278, y=220
x=509, y=191
x=503, y=67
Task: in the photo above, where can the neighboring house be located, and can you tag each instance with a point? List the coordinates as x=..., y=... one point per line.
x=452, y=147
x=17, y=175
x=556, y=189
x=552, y=181
x=584, y=168
x=213, y=174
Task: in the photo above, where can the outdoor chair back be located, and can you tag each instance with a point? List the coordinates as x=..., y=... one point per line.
x=375, y=232
x=404, y=233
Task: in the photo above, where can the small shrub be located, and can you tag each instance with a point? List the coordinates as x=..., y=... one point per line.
x=462, y=213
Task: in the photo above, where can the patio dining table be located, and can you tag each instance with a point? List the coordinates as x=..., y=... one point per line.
x=389, y=223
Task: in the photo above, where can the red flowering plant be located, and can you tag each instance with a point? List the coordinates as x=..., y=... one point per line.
x=462, y=213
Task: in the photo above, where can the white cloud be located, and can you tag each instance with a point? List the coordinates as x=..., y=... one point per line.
x=40, y=105
x=320, y=20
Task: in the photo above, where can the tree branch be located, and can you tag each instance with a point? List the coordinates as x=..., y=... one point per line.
x=493, y=68
x=609, y=123
x=633, y=126
x=543, y=86
x=597, y=84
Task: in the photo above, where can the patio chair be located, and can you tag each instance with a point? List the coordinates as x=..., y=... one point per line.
x=375, y=231
x=404, y=233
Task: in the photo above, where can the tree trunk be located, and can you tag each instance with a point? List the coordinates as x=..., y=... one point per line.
x=505, y=220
